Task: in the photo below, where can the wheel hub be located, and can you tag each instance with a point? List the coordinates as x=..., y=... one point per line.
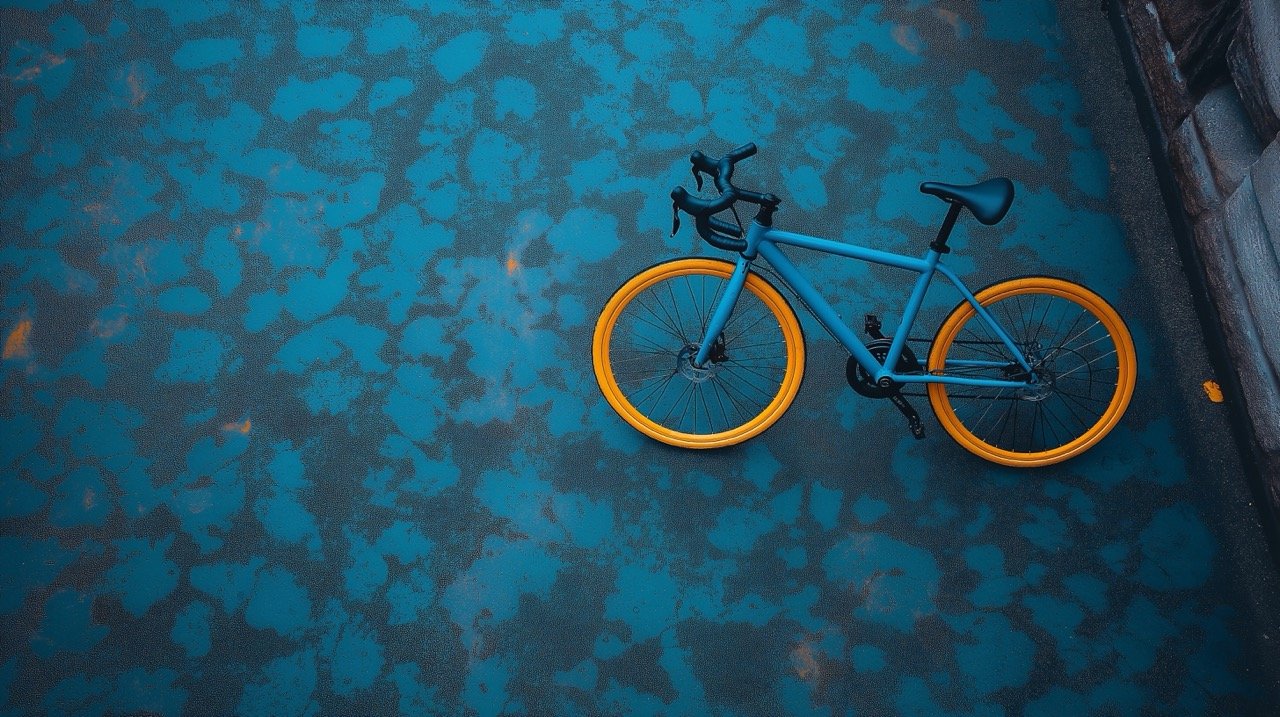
x=686, y=368
x=1042, y=376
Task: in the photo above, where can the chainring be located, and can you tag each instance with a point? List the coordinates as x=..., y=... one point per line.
x=865, y=384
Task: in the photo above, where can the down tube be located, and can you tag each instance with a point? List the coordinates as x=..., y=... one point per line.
x=821, y=309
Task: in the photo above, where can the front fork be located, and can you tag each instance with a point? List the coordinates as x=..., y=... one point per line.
x=712, y=342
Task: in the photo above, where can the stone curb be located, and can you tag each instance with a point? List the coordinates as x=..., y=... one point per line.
x=1221, y=186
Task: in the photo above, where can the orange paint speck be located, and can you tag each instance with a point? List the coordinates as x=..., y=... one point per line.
x=101, y=213
x=137, y=93
x=1213, y=391
x=16, y=346
x=907, y=38
x=951, y=17
x=804, y=663
x=513, y=264
x=46, y=62
x=242, y=428
x=107, y=329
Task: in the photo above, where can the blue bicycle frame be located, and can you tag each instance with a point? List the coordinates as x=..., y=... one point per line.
x=762, y=241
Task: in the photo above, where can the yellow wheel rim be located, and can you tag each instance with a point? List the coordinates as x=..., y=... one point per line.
x=1110, y=416
x=772, y=299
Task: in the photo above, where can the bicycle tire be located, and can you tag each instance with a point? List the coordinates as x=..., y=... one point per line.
x=1091, y=346
x=645, y=337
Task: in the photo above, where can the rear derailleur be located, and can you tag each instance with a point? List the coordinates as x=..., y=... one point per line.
x=866, y=385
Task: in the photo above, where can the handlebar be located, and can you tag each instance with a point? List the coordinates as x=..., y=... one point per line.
x=718, y=233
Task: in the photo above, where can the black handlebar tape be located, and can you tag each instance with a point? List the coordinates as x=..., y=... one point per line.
x=716, y=239
x=725, y=176
x=702, y=207
x=720, y=169
x=703, y=162
x=712, y=166
x=767, y=200
x=742, y=152
x=724, y=227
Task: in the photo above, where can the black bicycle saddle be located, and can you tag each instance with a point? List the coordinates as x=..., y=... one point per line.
x=989, y=201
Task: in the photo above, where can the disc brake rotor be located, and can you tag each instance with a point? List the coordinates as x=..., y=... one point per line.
x=684, y=365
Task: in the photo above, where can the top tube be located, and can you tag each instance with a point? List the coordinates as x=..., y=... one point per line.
x=853, y=251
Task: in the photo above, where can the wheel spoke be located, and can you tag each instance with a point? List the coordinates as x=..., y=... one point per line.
x=665, y=319
x=1088, y=363
x=661, y=326
x=641, y=400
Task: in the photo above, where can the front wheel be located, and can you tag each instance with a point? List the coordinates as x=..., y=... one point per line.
x=1083, y=372
x=648, y=335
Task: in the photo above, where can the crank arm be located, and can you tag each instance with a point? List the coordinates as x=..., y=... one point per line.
x=913, y=418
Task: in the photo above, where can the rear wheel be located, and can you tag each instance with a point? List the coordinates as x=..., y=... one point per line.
x=648, y=335
x=1083, y=362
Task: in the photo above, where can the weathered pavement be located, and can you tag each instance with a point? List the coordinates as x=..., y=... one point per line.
x=298, y=408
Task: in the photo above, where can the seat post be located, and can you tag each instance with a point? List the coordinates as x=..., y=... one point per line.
x=939, y=244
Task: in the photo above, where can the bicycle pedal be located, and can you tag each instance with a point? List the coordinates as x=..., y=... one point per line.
x=871, y=325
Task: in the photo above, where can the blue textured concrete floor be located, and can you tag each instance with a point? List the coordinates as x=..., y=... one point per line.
x=298, y=414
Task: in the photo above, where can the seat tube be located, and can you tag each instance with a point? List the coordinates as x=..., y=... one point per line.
x=909, y=313
x=724, y=310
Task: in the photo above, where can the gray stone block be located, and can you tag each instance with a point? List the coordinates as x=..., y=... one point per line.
x=1259, y=270
x=1265, y=174
x=1168, y=89
x=1191, y=169
x=1181, y=18
x=1254, y=59
x=1223, y=283
x=1230, y=145
x=1202, y=56
x=1227, y=292
x=1221, y=278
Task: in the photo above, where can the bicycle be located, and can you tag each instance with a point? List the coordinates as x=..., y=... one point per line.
x=706, y=353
